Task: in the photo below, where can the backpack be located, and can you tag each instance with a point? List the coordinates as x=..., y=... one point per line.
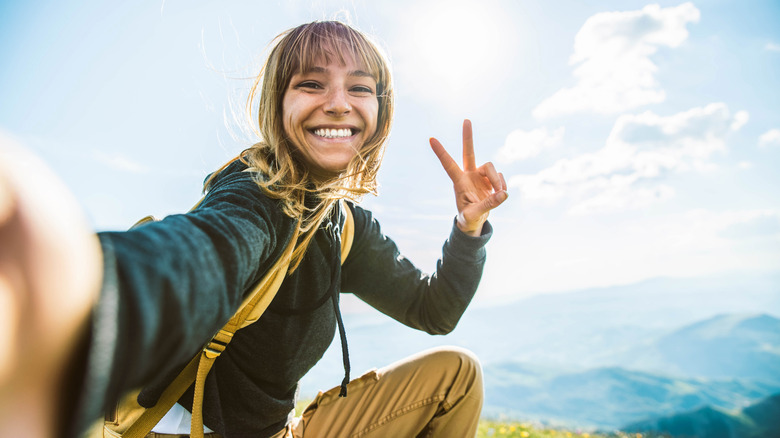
x=131, y=420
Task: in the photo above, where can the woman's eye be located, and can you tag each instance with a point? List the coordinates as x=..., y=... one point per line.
x=309, y=85
x=362, y=89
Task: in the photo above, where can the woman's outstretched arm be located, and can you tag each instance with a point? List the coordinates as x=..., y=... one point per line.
x=87, y=318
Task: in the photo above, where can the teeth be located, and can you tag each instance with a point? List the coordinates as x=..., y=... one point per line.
x=333, y=133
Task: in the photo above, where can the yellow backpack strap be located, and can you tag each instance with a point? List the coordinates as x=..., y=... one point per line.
x=151, y=416
x=251, y=309
x=150, y=218
x=198, y=368
x=253, y=306
x=249, y=313
x=347, y=231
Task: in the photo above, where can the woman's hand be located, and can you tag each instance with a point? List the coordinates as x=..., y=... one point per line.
x=477, y=189
x=50, y=274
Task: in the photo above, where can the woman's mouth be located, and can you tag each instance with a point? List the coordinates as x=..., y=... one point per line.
x=334, y=133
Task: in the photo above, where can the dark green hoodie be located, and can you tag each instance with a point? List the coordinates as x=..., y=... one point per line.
x=170, y=285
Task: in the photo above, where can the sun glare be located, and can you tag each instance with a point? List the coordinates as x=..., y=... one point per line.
x=455, y=45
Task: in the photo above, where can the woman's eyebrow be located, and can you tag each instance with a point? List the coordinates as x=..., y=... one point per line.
x=358, y=73
x=315, y=69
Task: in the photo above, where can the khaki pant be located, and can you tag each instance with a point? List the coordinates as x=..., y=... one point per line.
x=436, y=393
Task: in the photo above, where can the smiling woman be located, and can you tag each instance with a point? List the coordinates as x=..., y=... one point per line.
x=284, y=208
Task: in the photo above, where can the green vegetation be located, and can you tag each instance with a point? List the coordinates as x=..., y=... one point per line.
x=516, y=429
x=511, y=429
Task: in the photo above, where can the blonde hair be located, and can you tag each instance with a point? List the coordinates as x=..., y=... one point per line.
x=284, y=175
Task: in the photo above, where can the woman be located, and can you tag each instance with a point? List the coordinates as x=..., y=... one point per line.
x=324, y=104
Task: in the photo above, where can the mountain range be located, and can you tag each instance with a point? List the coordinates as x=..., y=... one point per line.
x=725, y=362
x=759, y=420
x=606, y=398
x=724, y=346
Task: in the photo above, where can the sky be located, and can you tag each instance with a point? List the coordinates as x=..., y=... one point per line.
x=638, y=139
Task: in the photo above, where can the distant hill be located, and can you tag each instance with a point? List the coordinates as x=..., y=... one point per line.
x=727, y=361
x=744, y=346
x=760, y=420
x=725, y=346
x=606, y=397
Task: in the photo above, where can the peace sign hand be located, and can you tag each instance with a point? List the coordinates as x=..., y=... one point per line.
x=477, y=189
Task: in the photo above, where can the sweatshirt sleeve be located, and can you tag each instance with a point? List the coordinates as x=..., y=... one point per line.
x=170, y=285
x=377, y=273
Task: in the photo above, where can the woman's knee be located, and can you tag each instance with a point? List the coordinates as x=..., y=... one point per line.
x=462, y=363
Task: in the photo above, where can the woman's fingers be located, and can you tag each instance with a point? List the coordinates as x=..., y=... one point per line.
x=477, y=212
x=447, y=162
x=477, y=189
x=489, y=171
x=469, y=159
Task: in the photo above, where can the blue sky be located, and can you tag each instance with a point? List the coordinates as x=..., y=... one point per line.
x=639, y=139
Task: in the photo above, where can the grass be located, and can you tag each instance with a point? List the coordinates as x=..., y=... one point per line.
x=516, y=429
x=495, y=429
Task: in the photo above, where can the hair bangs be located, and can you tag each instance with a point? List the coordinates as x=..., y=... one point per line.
x=331, y=42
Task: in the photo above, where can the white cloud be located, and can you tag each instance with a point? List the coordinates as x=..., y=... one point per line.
x=694, y=134
x=744, y=165
x=521, y=144
x=639, y=152
x=613, y=50
x=769, y=138
x=772, y=47
x=740, y=119
x=119, y=162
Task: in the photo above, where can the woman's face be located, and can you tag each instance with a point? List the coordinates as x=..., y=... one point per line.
x=329, y=112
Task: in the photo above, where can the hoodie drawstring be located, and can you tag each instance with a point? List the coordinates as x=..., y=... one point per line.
x=335, y=285
x=334, y=233
x=344, y=348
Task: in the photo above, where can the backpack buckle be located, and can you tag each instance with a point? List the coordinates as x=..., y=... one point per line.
x=218, y=343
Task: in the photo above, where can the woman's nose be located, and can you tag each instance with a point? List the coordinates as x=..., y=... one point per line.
x=337, y=103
